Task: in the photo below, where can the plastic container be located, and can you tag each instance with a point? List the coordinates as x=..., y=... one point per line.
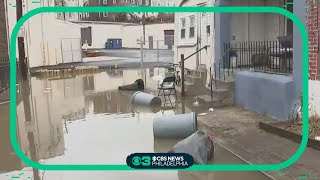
x=176, y=126
x=141, y=99
x=137, y=85
x=114, y=44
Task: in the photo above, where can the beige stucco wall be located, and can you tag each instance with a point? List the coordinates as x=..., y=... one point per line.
x=314, y=97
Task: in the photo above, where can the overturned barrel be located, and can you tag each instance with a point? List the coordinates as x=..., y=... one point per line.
x=146, y=109
x=137, y=85
x=141, y=99
x=176, y=126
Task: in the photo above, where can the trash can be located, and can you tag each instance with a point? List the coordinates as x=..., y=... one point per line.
x=114, y=44
x=142, y=99
x=176, y=126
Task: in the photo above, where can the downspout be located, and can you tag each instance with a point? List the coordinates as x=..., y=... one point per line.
x=317, y=26
x=99, y=5
x=42, y=36
x=7, y=23
x=248, y=2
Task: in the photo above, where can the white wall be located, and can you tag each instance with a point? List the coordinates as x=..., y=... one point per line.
x=314, y=97
x=187, y=45
x=102, y=32
x=129, y=33
x=43, y=34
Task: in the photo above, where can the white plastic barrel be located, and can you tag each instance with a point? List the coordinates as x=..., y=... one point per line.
x=144, y=99
x=176, y=126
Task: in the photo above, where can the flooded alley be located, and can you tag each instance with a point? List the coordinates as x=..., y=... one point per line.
x=85, y=120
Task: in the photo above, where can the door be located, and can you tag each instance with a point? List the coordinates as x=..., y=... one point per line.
x=169, y=38
x=150, y=42
x=86, y=36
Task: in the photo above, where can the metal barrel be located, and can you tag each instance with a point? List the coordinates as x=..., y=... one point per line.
x=137, y=85
x=144, y=99
x=176, y=126
x=146, y=109
x=129, y=87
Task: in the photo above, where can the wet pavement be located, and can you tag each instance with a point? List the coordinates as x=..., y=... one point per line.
x=86, y=120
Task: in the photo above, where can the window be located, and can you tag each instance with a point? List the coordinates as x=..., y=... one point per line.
x=114, y=1
x=183, y=28
x=147, y=2
x=105, y=14
x=208, y=33
x=140, y=2
x=191, y=29
x=133, y=1
x=105, y=2
x=126, y=1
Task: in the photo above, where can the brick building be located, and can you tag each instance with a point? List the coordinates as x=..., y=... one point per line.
x=314, y=41
x=113, y=17
x=4, y=56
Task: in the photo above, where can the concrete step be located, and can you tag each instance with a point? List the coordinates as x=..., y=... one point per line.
x=228, y=84
x=220, y=93
x=192, y=79
x=215, y=102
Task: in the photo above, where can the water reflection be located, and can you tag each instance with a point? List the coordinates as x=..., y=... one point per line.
x=84, y=120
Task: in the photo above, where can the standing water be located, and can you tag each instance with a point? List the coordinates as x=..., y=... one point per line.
x=86, y=120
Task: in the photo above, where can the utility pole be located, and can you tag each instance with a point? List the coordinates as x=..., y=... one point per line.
x=144, y=27
x=22, y=55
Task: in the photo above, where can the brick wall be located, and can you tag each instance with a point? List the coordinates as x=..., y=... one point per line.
x=3, y=34
x=313, y=25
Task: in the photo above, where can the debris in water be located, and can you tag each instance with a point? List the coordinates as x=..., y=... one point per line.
x=202, y=114
x=196, y=103
x=199, y=145
x=211, y=109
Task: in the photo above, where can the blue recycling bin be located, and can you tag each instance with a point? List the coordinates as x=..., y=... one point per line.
x=114, y=44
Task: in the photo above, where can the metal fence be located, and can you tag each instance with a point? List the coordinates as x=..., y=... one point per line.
x=5, y=75
x=265, y=56
x=157, y=50
x=71, y=50
x=164, y=43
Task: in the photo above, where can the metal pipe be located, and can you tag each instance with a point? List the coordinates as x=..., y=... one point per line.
x=182, y=75
x=211, y=91
x=205, y=47
x=157, y=51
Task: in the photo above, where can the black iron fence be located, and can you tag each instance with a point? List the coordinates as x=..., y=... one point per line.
x=265, y=56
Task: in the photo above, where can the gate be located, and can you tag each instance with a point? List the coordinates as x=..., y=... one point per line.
x=71, y=50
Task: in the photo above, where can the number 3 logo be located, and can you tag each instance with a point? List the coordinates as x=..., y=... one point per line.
x=146, y=161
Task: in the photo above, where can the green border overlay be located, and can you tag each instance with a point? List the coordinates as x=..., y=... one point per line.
x=214, y=9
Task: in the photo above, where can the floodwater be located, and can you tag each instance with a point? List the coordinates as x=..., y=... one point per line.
x=86, y=120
